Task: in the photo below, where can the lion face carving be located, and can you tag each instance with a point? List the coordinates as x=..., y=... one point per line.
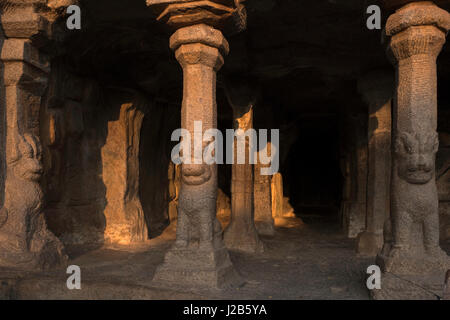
x=26, y=163
x=416, y=155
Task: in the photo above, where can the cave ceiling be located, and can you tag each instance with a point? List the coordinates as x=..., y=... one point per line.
x=303, y=52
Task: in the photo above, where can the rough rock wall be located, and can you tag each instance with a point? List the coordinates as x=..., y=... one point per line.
x=73, y=130
x=125, y=222
x=103, y=181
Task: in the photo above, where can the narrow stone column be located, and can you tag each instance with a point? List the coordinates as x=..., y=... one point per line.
x=263, y=198
x=354, y=215
x=417, y=33
x=345, y=166
x=198, y=258
x=377, y=90
x=241, y=233
x=25, y=241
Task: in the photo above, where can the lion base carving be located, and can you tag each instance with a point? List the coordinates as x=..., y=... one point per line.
x=198, y=258
x=412, y=262
x=25, y=241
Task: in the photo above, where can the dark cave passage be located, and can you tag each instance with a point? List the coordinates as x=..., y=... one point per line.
x=311, y=175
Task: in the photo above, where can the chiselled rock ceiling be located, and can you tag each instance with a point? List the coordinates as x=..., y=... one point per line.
x=306, y=54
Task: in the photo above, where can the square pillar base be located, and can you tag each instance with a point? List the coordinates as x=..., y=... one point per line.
x=265, y=228
x=408, y=287
x=197, y=268
x=412, y=277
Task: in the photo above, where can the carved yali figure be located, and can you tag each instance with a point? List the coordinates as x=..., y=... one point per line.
x=415, y=205
x=199, y=198
x=25, y=242
x=416, y=156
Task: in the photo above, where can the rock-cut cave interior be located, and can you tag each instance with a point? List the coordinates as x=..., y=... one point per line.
x=364, y=149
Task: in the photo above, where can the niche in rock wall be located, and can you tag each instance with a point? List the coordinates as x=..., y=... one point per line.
x=73, y=129
x=107, y=156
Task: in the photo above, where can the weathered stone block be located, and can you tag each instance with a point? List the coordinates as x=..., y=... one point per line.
x=125, y=222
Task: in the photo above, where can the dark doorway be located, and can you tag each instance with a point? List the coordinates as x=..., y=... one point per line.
x=312, y=177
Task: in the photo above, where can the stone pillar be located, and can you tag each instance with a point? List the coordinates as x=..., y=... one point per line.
x=263, y=198
x=25, y=241
x=354, y=214
x=417, y=33
x=125, y=222
x=241, y=233
x=345, y=167
x=377, y=90
x=277, y=195
x=198, y=258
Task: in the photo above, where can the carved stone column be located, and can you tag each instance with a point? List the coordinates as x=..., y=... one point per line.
x=263, y=198
x=198, y=257
x=241, y=233
x=417, y=33
x=25, y=241
x=377, y=90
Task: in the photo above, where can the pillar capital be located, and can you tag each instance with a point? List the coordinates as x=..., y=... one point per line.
x=417, y=28
x=227, y=15
x=199, y=44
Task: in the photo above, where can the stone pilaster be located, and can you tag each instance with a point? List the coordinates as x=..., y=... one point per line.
x=417, y=33
x=125, y=221
x=263, y=197
x=25, y=241
x=354, y=209
x=377, y=91
x=241, y=233
x=277, y=195
x=198, y=258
